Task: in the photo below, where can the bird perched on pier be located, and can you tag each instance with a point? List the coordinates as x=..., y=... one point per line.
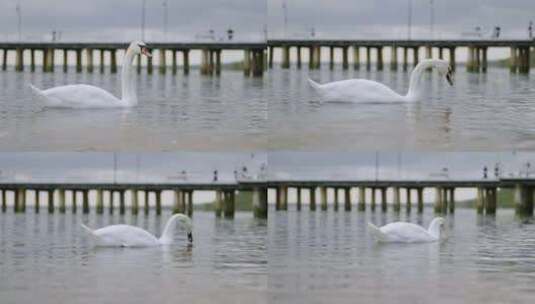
x=363, y=90
x=131, y=236
x=87, y=96
x=401, y=232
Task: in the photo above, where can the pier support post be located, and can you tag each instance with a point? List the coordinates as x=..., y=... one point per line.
x=470, y=62
x=380, y=63
x=491, y=201
x=405, y=58
x=484, y=62
x=61, y=198
x=78, y=60
x=113, y=62
x=89, y=56
x=271, y=51
x=37, y=201
x=19, y=60
x=477, y=66
x=452, y=58
x=345, y=58
x=347, y=199
x=452, y=200
x=438, y=199
x=162, y=61
x=409, y=201
x=85, y=201
x=218, y=203
x=299, y=59
x=480, y=200
x=146, y=202
x=99, y=202
x=331, y=57
x=368, y=59
x=20, y=202
x=336, y=201
x=317, y=57
x=189, y=210
x=217, y=62
x=394, y=58
x=32, y=60
x=440, y=53
x=4, y=60
x=229, y=204
x=524, y=60
x=285, y=57
x=420, y=197
x=523, y=200
x=101, y=63
x=415, y=55
x=179, y=202
x=246, y=62
x=65, y=60
x=122, y=207
x=260, y=207
x=397, y=200
x=135, y=201
x=257, y=63
x=323, y=197
x=74, y=201
x=185, y=59
x=158, y=194
x=44, y=66
x=4, y=201
x=312, y=204
x=149, y=65
x=311, y=58
x=356, y=57
x=282, y=199
x=50, y=201
x=299, y=199
x=362, y=199
x=174, y=67
x=384, y=203
x=374, y=199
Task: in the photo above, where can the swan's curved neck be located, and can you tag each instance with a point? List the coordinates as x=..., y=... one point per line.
x=434, y=228
x=169, y=229
x=129, y=94
x=415, y=85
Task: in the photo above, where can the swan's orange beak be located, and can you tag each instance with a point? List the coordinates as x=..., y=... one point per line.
x=145, y=51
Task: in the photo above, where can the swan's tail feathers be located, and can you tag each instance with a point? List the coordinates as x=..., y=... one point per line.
x=377, y=233
x=314, y=84
x=87, y=229
x=38, y=93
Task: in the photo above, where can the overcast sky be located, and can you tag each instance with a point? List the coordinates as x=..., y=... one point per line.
x=121, y=19
x=387, y=18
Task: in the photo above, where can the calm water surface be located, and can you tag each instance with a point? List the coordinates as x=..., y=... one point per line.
x=48, y=258
x=493, y=111
x=174, y=113
x=327, y=257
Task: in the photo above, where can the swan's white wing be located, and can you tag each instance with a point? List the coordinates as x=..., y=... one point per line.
x=79, y=96
x=406, y=232
x=358, y=90
x=124, y=235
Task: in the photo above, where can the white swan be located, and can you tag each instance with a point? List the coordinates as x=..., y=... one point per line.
x=363, y=90
x=401, y=232
x=131, y=236
x=86, y=96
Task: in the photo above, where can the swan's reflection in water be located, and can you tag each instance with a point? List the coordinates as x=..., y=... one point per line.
x=49, y=256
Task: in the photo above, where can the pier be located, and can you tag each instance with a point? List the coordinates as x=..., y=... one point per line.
x=372, y=194
x=141, y=197
x=84, y=55
x=477, y=59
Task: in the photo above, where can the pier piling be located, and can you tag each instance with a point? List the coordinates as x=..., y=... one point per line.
x=260, y=207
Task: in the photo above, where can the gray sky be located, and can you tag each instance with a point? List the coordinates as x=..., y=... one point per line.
x=121, y=19
x=388, y=18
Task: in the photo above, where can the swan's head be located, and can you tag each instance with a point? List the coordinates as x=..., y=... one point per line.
x=444, y=68
x=437, y=226
x=140, y=48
